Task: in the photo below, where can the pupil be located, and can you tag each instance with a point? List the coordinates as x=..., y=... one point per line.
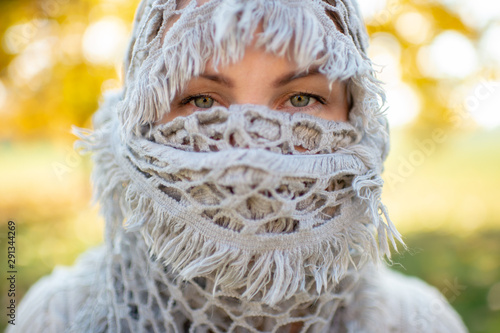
x=204, y=102
x=300, y=100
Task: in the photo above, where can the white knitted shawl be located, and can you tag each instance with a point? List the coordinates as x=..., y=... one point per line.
x=217, y=221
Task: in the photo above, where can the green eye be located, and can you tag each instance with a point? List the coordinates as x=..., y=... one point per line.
x=300, y=101
x=203, y=102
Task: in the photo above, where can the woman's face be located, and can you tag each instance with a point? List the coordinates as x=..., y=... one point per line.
x=265, y=79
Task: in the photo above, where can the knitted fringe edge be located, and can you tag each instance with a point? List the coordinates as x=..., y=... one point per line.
x=270, y=276
x=368, y=187
x=170, y=66
x=108, y=177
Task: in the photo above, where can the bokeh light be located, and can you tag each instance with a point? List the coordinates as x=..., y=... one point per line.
x=490, y=45
x=483, y=103
x=104, y=41
x=31, y=67
x=385, y=53
x=18, y=36
x=403, y=104
x=369, y=8
x=475, y=13
x=414, y=27
x=450, y=55
x=71, y=42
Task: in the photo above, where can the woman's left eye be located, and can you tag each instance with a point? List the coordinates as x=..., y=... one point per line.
x=204, y=102
x=302, y=100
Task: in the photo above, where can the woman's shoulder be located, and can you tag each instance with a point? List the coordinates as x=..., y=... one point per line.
x=406, y=304
x=53, y=302
x=420, y=306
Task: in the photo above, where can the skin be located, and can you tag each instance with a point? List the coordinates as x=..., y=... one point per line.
x=265, y=79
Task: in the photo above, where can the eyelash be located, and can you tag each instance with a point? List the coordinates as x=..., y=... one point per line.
x=320, y=99
x=191, y=98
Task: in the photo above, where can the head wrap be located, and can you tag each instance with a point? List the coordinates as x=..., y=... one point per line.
x=241, y=218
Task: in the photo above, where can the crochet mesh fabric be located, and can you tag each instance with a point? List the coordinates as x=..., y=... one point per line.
x=275, y=235
x=239, y=219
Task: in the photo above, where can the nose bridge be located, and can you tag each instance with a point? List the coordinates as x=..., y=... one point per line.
x=253, y=87
x=255, y=95
x=254, y=75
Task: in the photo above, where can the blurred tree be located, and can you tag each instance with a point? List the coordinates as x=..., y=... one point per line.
x=409, y=21
x=51, y=81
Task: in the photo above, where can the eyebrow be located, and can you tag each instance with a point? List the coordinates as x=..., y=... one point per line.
x=289, y=77
x=218, y=78
x=281, y=81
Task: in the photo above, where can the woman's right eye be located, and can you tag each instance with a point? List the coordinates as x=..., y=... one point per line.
x=203, y=102
x=300, y=101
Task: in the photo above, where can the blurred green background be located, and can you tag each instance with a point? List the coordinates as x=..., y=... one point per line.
x=440, y=60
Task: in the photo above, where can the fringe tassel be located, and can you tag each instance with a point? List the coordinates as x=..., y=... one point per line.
x=271, y=275
x=369, y=188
